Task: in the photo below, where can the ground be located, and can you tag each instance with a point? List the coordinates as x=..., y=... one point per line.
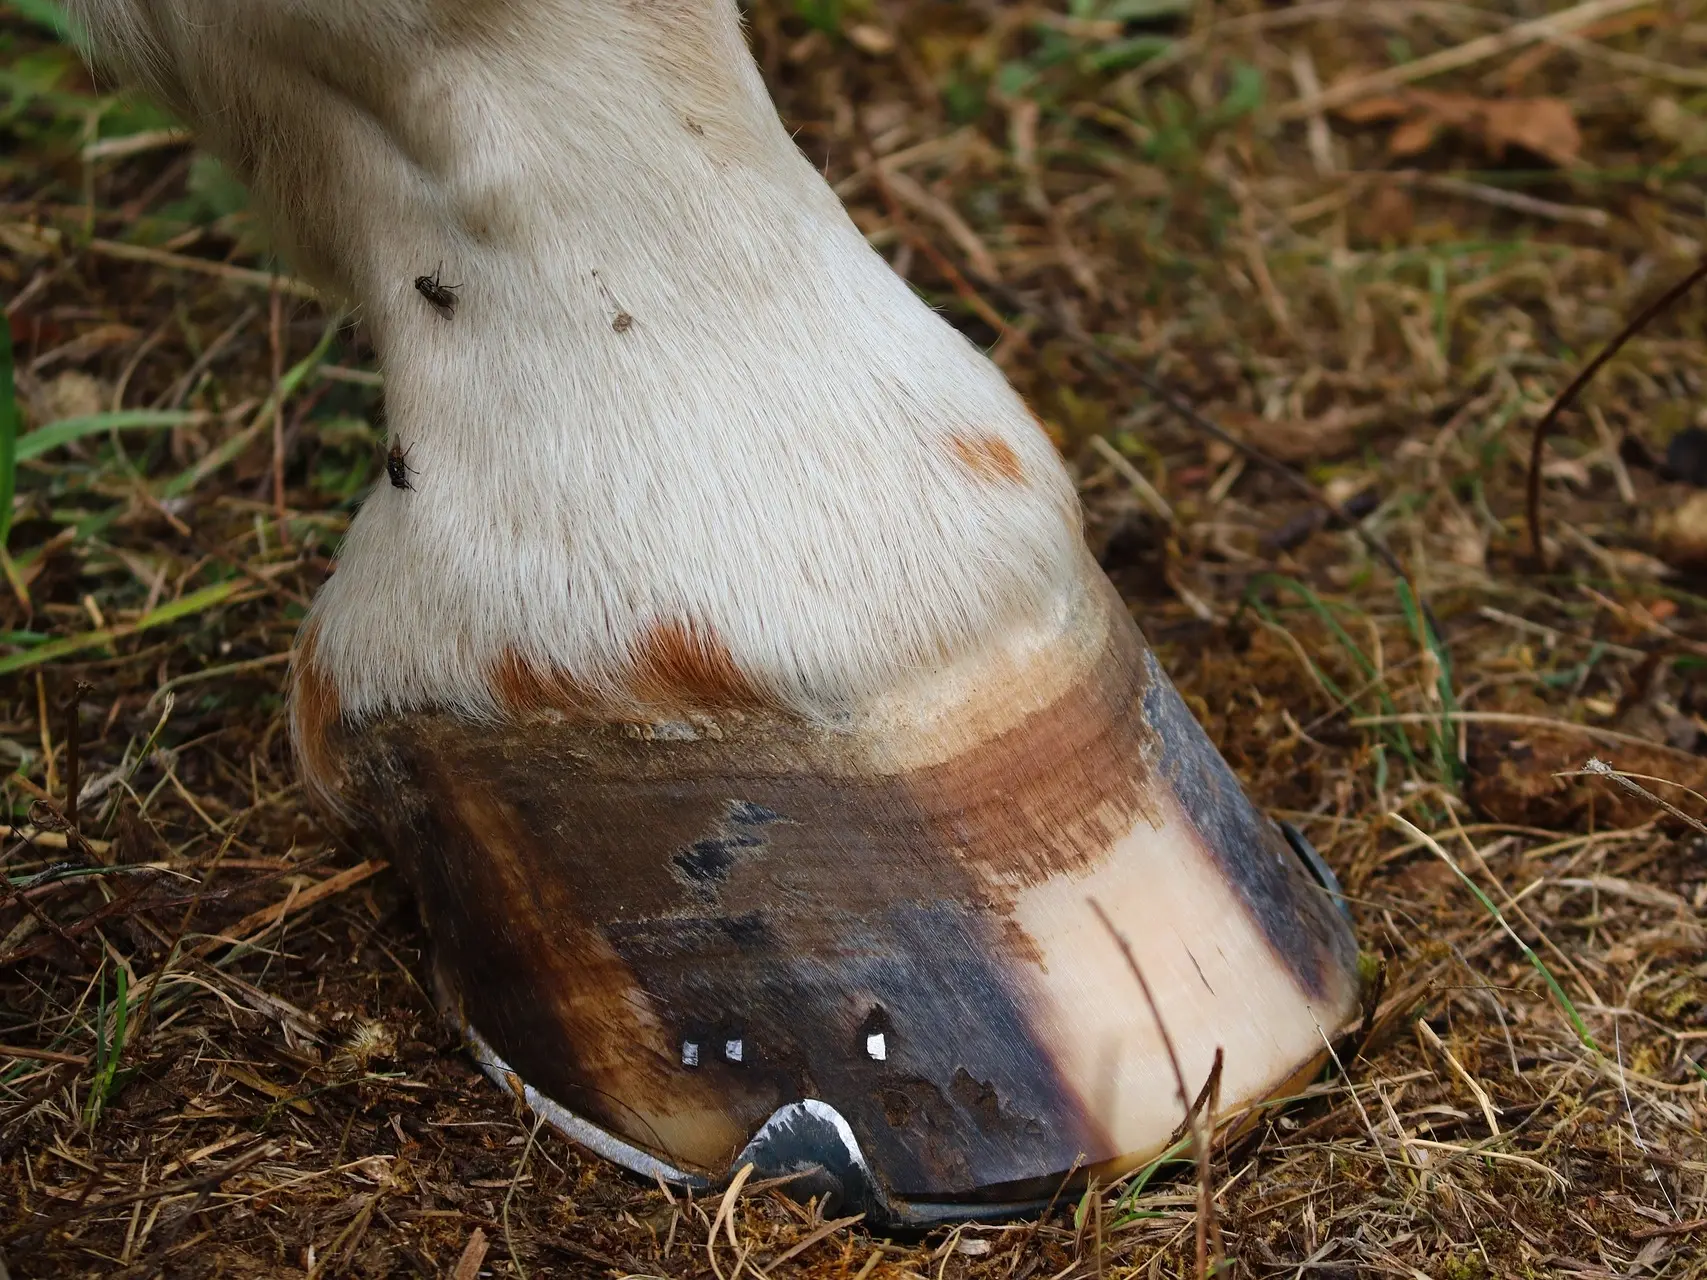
x=1369, y=238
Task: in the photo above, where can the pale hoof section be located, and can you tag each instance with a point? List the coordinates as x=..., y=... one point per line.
x=868, y=954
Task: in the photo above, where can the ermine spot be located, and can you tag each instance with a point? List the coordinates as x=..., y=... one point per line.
x=989, y=458
x=314, y=711
x=685, y=664
x=521, y=686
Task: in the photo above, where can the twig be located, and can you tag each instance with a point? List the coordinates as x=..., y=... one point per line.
x=172, y=951
x=136, y=144
x=1362, y=1111
x=256, y=923
x=956, y=278
x=1500, y=198
x=174, y=395
x=31, y=834
x=1199, y=1136
x=1600, y=769
x=16, y=893
x=203, y=266
x=726, y=1218
x=1145, y=490
x=1569, y=394
x=210, y=1179
x=220, y=672
x=43, y=1055
x=1434, y=1042
x=827, y=1229
x=509, y=1242
x=1463, y=55
x=1481, y=1149
x=1671, y=1229
x=473, y=1254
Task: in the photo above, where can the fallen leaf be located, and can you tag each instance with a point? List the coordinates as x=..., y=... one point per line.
x=28, y=240
x=1371, y=110
x=1415, y=135
x=1545, y=126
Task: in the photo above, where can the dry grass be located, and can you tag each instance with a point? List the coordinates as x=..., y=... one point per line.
x=218, y=1056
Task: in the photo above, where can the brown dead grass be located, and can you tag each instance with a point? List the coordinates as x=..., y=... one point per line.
x=286, y=1103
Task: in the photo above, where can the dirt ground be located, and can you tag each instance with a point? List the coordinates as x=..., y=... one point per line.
x=1369, y=238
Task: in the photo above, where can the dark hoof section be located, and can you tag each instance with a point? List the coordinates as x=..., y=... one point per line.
x=1315, y=864
x=811, y=1145
x=807, y=1142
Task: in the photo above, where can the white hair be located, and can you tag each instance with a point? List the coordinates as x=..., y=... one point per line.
x=678, y=403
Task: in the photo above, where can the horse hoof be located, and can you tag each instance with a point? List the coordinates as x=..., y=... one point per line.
x=881, y=957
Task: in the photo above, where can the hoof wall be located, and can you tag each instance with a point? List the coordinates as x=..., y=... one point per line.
x=871, y=956
x=807, y=1146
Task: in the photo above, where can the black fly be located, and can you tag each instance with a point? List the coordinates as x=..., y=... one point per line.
x=442, y=296
x=397, y=466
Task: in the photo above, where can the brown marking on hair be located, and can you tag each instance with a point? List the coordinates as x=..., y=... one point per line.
x=989, y=458
x=315, y=713
x=521, y=686
x=679, y=664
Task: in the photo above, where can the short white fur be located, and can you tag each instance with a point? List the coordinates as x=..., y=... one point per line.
x=764, y=453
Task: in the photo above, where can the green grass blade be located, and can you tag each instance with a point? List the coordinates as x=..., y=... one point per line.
x=101, y=1025
x=1327, y=681
x=1173, y=1155
x=195, y=602
x=1492, y=908
x=1394, y=735
x=293, y=378
x=121, y=1017
x=1319, y=607
x=93, y=1103
x=66, y=430
x=1442, y=738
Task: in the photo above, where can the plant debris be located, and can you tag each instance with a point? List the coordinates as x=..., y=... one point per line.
x=218, y=1056
x=1547, y=127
